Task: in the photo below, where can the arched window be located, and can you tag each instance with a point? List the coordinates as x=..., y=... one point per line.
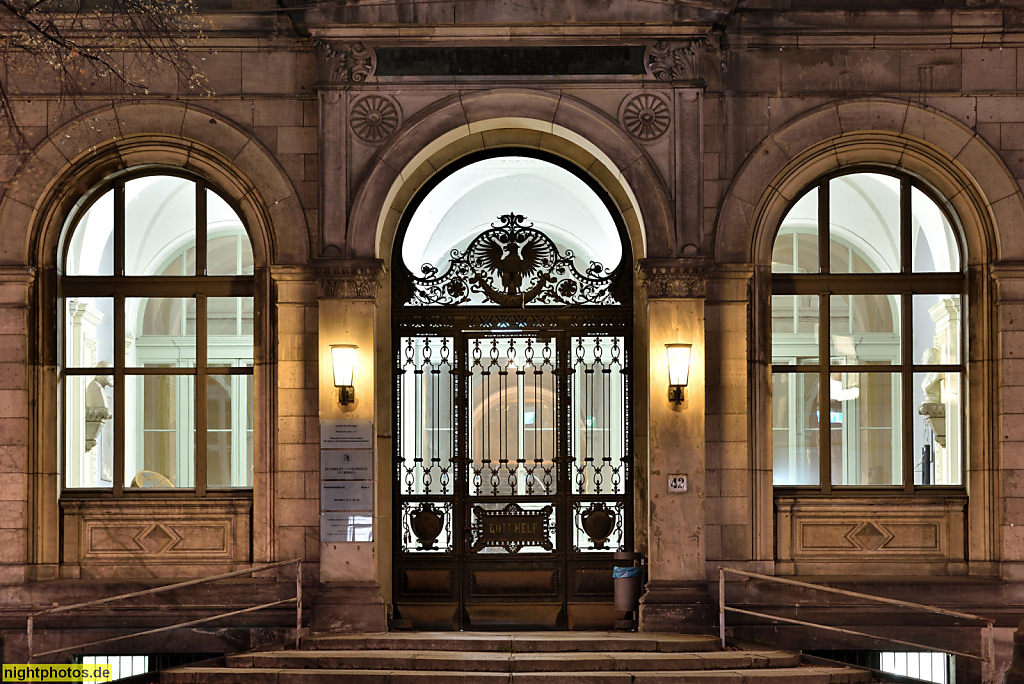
x=157, y=339
x=867, y=337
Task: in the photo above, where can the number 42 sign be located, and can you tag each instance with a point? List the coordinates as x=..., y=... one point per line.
x=676, y=484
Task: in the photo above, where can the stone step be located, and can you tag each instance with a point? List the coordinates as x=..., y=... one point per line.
x=435, y=660
x=260, y=675
x=516, y=642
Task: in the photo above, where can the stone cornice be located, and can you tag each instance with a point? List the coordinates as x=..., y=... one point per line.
x=527, y=34
x=674, y=278
x=350, y=279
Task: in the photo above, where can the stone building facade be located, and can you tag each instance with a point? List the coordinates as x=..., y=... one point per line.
x=701, y=128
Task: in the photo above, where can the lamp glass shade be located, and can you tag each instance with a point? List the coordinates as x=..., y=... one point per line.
x=678, y=364
x=344, y=358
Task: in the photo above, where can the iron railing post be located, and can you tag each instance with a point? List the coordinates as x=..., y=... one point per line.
x=721, y=605
x=989, y=651
x=298, y=602
x=31, y=619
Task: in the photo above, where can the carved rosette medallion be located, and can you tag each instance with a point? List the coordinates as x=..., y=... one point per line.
x=646, y=116
x=351, y=282
x=344, y=63
x=676, y=60
x=374, y=117
x=673, y=279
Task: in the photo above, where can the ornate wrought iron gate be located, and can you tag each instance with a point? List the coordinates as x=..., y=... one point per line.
x=512, y=472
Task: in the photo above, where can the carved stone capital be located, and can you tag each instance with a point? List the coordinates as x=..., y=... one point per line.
x=351, y=279
x=676, y=60
x=673, y=278
x=344, y=63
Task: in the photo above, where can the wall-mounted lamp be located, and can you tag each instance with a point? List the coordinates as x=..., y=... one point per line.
x=678, y=371
x=343, y=357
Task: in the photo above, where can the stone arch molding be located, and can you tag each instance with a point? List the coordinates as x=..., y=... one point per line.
x=922, y=141
x=65, y=166
x=522, y=118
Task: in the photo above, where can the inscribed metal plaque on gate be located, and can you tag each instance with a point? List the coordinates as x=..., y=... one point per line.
x=346, y=434
x=346, y=464
x=346, y=496
x=511, y=528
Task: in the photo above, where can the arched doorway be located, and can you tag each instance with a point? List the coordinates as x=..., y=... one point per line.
x=511, y=330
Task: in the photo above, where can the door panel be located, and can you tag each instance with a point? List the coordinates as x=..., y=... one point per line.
x=512, y=481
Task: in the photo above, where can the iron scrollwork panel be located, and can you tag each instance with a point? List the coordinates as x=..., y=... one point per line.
x=513, y=264
x=511, y=527
x=427, y=526
x=513, y=404
x=426, y=459
x=600, y=456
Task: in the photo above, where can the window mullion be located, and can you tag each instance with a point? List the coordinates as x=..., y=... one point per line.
x=824, y=393
x=906, y=337
x=119, y=391
x=824, y=234
x=119, y=221
x=907, y=387
x=201, y=241
x=201, y=438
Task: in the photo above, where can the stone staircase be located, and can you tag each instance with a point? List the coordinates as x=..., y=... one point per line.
x=513, y=658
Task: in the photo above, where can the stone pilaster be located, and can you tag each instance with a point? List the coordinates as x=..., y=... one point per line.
x=349, y=597
x=676, y=595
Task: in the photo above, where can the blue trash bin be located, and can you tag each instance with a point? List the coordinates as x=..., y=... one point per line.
x=629, y=583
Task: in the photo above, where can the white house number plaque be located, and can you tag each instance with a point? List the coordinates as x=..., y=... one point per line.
x=676, y=484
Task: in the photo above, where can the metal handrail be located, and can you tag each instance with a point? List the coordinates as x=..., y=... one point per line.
x=169, y=587
x=987, y=656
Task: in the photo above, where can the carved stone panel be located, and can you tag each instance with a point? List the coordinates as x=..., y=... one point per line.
x=350, y=280
x=155, y=538
x=673, y=278
x=343, y=63
x=833, y=536
x=676, y=60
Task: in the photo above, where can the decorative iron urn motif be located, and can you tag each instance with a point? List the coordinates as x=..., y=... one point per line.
x=512, y=264
x=599, y=523
x=426, y=523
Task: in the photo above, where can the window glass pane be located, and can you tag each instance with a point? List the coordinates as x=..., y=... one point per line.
x=795, y=429
x=89, y=431
x=864, y=223
x=229, y=331
x=160, y=331
x=229, y=251
x=865, y=424
x=464, y=204
x=935, y=247
x=91, y=251
x=865, y=329
x=936, y=329
x=937, y=425
x=89, y=332
x=159, y=434
x=228, y=442
x=794, y=329
x=160, y=222
x=796, y=245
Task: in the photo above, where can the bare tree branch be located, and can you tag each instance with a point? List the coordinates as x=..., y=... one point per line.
x=70, y=50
